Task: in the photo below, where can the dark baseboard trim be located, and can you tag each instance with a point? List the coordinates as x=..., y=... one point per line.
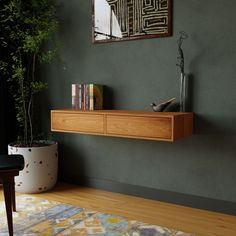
x=156, y=194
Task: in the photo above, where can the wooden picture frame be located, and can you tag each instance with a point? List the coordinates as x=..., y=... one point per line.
x=118, y=20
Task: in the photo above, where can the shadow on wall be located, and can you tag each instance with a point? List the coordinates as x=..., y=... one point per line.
x=67, y=169
x=212, y=125
x=207, y=124
x=108, y=98
x=190, y=93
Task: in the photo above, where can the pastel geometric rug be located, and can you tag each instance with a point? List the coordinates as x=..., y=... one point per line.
x=39, y=217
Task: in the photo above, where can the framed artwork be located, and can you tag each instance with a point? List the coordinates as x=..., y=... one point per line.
x=116, y=20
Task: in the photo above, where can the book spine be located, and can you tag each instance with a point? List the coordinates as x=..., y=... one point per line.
x=91, y=97
x=80, y=96
x=73, y=95
x=84, y=97
x=98, y=96
x=77, y=96
x=87, y=97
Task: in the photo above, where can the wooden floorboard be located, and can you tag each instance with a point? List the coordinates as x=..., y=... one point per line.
x=199, y=222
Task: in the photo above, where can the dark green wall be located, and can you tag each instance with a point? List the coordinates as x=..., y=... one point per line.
x=139, y=72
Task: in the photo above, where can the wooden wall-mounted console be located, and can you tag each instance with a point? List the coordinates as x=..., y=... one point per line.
x=162, y=126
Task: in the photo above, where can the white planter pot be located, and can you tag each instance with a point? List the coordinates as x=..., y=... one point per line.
x=41, y=167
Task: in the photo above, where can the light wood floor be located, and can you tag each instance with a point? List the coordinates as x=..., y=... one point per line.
x=199, y=222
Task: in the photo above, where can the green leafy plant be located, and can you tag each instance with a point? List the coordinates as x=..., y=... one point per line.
x=26, y=29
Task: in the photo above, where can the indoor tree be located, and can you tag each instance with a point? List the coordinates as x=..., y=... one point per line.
x=26, y=41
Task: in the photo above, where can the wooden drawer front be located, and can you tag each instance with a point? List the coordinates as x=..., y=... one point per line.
x=149, y=127
x=78, y=122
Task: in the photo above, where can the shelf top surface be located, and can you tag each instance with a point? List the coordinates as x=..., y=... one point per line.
x=123, y=112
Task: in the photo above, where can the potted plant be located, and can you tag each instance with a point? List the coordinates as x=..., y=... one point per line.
x=26, y=40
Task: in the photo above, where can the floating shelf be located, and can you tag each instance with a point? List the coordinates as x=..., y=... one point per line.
x=162, y=126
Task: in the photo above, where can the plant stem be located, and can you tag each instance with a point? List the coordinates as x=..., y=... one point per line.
x=24, y=104
x=30, y=120
x=31, y=101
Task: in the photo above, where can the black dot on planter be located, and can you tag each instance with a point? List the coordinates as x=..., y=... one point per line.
x=27, y=165
x=27, y=171
x=40, y=189
x=40, y=162
x=18, y=185
x=49, y=174
x=34, y=161
x=45, y=188
x=29, y=149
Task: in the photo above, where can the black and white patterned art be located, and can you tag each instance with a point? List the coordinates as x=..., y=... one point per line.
x=115, y=20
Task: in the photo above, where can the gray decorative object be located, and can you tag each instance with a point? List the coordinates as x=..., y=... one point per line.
x=182, y=101
x=161, y=106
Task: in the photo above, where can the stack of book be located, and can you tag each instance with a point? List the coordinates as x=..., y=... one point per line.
x=87, y=96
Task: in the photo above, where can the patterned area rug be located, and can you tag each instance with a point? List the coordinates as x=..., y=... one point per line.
x=39, y=217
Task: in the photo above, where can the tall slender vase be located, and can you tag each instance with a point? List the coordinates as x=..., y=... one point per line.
x=182, y=92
